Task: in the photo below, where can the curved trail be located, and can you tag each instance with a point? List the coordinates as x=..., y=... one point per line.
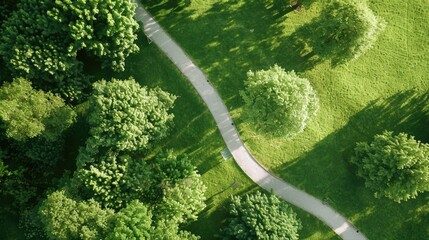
x=232, y=139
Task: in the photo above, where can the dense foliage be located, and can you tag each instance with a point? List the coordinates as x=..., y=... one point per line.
x=42, y=39
x=345, y=30
x=27, y=113
x=113, y=180
x=66, y=218
x=260, y=216
x=279, y=102
x=394, y=166
x=125, y=116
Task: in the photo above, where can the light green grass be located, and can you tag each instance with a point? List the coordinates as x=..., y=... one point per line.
x=387, y=88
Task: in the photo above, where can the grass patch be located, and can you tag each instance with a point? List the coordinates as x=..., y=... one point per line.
x=387, y=88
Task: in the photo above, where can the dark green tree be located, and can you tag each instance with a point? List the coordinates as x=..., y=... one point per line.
x=125, y=116
x=27, y=113
x=260, y=216
x=344, y=30
x=279, y=102
x=394, y=166
x=42, y=38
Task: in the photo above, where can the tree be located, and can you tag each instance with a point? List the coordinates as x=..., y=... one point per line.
x=345, y=30
x=394, y=166
x=260, y=216
x=132, y=223
x=114, y=180
x=27, y=113
x=279, y=102
x=127, y=117
x=66, y=218
x=181, y=202
x=42, y=38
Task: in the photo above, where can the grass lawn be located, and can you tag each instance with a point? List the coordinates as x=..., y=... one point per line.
x=196, y=134
x=387, y=88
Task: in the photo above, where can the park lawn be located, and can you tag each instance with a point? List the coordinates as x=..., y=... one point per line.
x=195, y=133
x=387, y=88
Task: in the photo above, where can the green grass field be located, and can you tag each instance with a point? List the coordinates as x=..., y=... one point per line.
x=195, y=133
x=387, y=88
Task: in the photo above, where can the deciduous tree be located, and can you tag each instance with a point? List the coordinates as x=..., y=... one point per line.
x=394, y=166
x=125, y=116
x=260, y=216
x=279, y=102
x=344, y=30
x=66, y=218
x=27, y=113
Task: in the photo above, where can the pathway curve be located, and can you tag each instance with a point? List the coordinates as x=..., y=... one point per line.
x=232, y=139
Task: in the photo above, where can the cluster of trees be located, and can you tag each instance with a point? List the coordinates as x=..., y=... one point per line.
x=260, y=216
x=113, y=192
x=42, y=40
x=393, y=166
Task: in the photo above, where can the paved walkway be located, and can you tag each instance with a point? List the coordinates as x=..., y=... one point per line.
x=232, y=139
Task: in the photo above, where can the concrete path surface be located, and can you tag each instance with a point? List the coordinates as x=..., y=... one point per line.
x=232, y=139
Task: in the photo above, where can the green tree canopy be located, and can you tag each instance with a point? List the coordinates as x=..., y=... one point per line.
x=394, y=166
x=344, y=30
x=27, y=113
x=181, y=202
x=260, y=216
x=66, y=218
x=132, y=223
x=42, y=38
x=114, y=180
x=279, y=102
x=125, y=116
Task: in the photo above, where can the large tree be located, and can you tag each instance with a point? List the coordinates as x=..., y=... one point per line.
x=27, y=113
x=279, y=102
x=42, y=38
x=394, y=166
x=125, y=116
x=260, y=216
x=344, y=30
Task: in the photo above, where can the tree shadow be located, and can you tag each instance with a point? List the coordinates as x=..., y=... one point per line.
x=329, y=174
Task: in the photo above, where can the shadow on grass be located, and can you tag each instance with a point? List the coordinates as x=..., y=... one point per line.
x=325, y=171
x=230, y=38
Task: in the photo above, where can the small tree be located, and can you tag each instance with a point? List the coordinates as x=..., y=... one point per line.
x=27, y=113
x=260, y=216
x=127, y=117
x=183, y=201
x=279, y=102
x=394, y=166
x=345, y=30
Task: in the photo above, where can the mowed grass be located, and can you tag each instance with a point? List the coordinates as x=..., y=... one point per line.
x=387, y=88
x=195, y=133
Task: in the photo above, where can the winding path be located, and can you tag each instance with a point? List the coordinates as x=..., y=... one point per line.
x=232, y=139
